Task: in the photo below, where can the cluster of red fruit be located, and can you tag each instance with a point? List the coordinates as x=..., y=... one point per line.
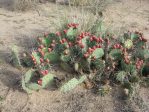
x=80, y=37
x=44, y=72
x=92, y=38
x=34, y=60
x=139, y=63
x=117, y=46
x=60, y=34
x=73, y=25
x=91, y=50
x=66, y=42
x=41, y=60
x=97, y=39
x=40, y=50
x=141, y=37
x=126, y=57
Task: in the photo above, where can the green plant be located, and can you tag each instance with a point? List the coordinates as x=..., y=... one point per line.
x=15, y=56
x=96, y=53
x=33, y=81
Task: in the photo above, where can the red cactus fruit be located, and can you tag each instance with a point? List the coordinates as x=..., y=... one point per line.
x=98, y=46
x=39, y=50
x=100, y=40
x=53, y=45
x=61, y=41
x=91, y=39
x=49, y=49
x=82, y=46
x=94, y=47
x=58, y=33
x=46, y=72
x=64, y=40
x=139, y=63
x=41, y=46
x=39, y=82
x=79, y=38
x=127, y=61
x=35, y=62
x=117, y=46
x=144, y=39
x=41, y=60
x=65, y=31
x=70, y=44
x=42, y=72
x=69, y=25
x=90, y=50
x=94, y=38
x=79, y=42
x=86, y=55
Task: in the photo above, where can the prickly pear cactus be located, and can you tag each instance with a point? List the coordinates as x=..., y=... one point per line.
x=15, y=56
x=97, y=54
x=28, y=85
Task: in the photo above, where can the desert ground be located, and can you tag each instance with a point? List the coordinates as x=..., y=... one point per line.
x=21, y=29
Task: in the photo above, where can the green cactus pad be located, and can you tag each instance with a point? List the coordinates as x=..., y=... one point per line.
x=98, y=53
x=71, y=32
x=128, y=43
x=120, y=76
x=47, y=80
x=52, y=56
x=140, y=44
x=71, y=84
x=33, y=86
x=115, y=53
x=65, y=58
x=28, y=75
x=134, y=36
x=24, y=86
x=15, y=56
x=48, y=40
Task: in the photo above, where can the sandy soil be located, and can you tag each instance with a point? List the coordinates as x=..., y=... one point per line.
x=22, y=28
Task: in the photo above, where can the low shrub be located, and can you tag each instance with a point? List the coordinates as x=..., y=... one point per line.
x=99, y=58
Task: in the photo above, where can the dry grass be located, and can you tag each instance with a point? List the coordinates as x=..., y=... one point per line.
x=91, y=4
x=84, y=12
x=24, y=4
x=84, y=18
